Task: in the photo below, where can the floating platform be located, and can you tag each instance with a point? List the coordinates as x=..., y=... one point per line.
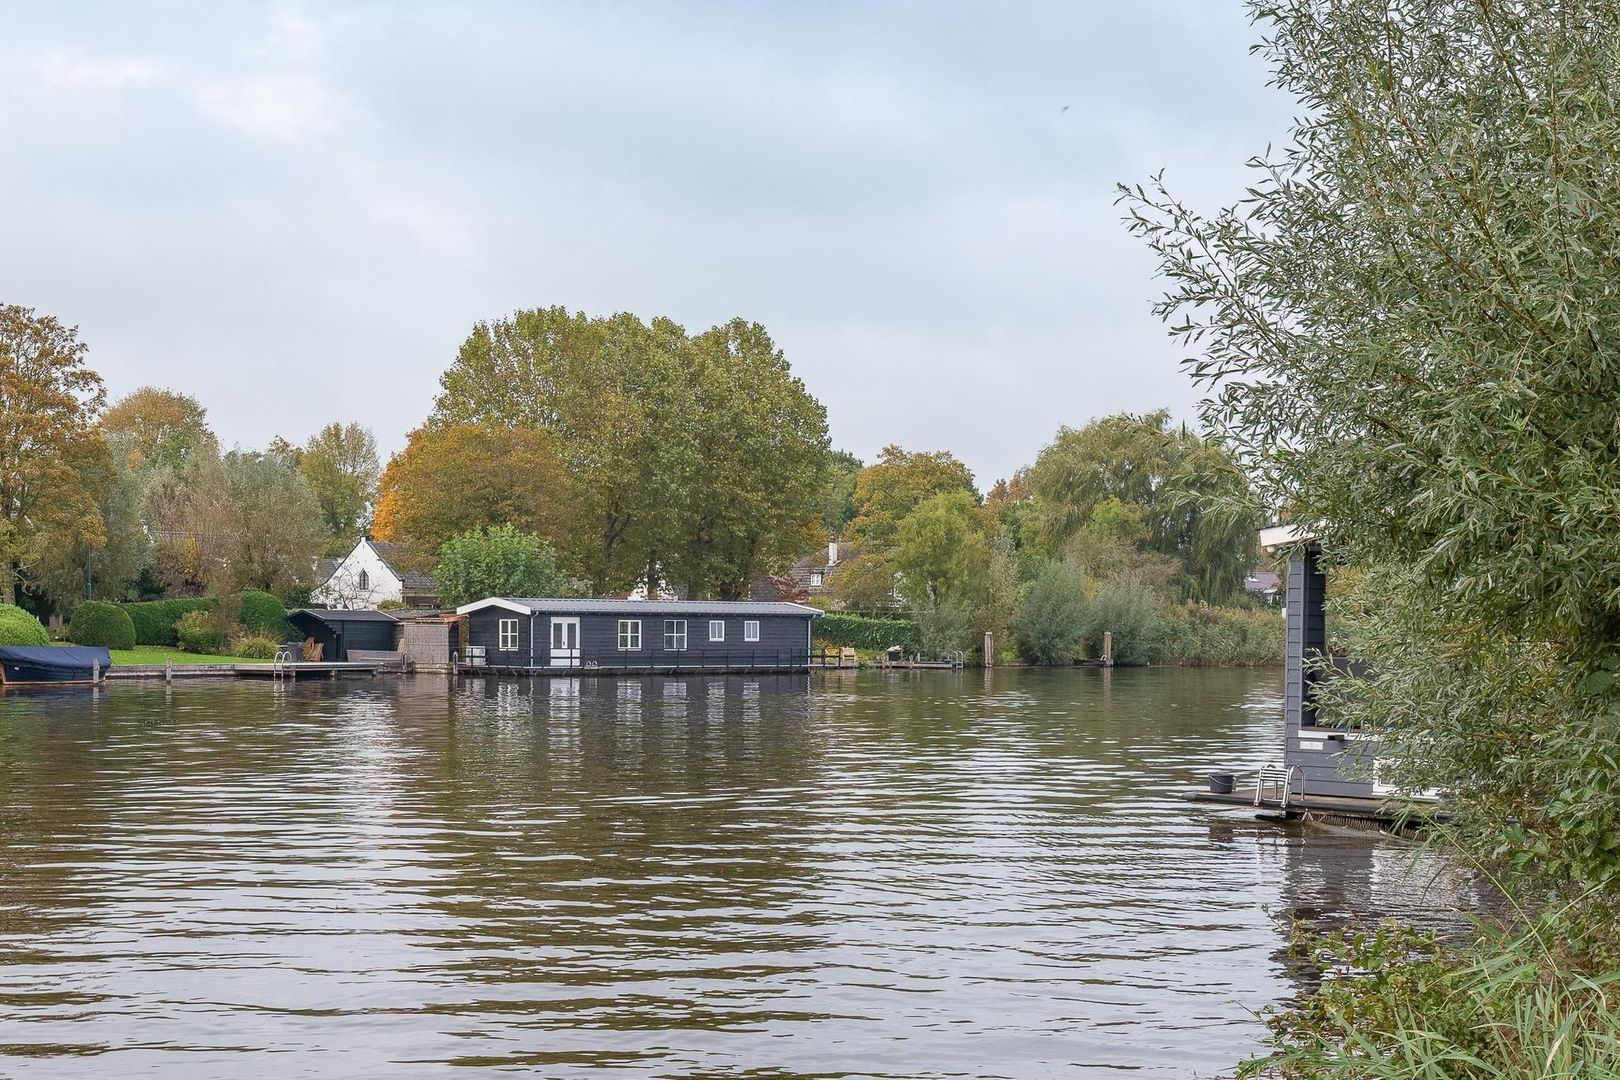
x=302, y=669
x=642, y=669
x=1389, y=812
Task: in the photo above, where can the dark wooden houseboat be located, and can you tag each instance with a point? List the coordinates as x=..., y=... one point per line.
x=542, y=634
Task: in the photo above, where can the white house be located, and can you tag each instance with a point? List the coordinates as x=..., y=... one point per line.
x=370, y=575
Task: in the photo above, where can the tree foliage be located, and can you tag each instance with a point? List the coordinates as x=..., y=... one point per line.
x=161, y=429
x=49, y=401
x=1052, y=614
x=1409, y=330
x=18, y=627
x=1173, y=484
x=940, y=550
x=68, y=571
x=498, y=561
x=696, y=459
x=339, y=463
x=457, y=477
x=894, y=485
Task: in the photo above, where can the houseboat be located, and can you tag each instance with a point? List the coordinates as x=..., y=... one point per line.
x=545, y=634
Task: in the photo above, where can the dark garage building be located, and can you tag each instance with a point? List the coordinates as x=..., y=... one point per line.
x=545, y=634
x=338, y=631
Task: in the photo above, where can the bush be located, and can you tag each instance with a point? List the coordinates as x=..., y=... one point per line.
x=17, y=627
x=154, y=619
x=1130, y=611
x=96, y=622
x=199, y=632
x=1052, y=614
x=1198, y=635
x=255, y=648
x=860, y=632
x=263, y=616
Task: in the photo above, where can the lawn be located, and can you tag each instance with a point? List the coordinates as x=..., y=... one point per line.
x=156, y=654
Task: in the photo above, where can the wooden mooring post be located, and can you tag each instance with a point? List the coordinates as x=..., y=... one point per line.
x=1108, y=649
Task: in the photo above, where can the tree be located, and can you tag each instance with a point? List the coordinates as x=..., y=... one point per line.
x=244, y=521
x=49, y=401
x=1171, y=477
x=339, y=463
x=68, y=572
x=458, y=477
x=892, y=487
x=695, y=459
x=1407, y=329
x=939, y=550
x=837, y=506
x=760, y=468
x=161, y=428
x=498, y=561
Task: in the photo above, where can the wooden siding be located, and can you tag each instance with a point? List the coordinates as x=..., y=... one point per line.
x=1329, y=763
x=784, y=641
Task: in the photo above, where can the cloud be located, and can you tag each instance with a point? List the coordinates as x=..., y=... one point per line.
x=68, y=69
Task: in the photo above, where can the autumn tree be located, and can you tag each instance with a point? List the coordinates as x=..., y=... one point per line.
x=162, y=428
x=454, y=478
x=69, y=572
x=49, y=402
x=339, y=463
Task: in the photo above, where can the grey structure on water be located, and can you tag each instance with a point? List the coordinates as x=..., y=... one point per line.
x=539, y=634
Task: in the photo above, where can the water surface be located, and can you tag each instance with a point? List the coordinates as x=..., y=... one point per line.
x=932, y=874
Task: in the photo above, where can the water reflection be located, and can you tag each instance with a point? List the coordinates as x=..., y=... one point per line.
x=878, y=874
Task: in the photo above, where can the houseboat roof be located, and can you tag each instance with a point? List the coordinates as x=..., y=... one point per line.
x=530, y=605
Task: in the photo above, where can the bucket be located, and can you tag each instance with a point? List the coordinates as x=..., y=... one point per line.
x=1220, y=783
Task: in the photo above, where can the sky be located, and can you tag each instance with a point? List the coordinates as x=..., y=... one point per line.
x=296, y=213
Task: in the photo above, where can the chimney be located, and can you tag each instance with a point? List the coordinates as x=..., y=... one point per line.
x=832, y=552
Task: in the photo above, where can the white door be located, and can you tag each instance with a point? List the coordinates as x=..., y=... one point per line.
x=565, y=642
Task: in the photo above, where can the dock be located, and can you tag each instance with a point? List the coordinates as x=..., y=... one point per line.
x=301, y=669
x=1386, y=812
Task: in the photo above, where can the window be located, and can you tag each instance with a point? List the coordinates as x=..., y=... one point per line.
x=815, y=579
x=365, y=581
x=717, y=629
x=629, y=635
x=509, y=635
x=674, y=635
x=751, y=630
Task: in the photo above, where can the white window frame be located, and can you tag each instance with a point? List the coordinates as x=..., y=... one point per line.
x=507, y=631
x=674, y=635
x=816, y=579
x=629, y=635
x=750, y=629
x=717, y=629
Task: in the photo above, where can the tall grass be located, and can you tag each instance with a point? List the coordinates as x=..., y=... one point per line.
x=1395, y=1002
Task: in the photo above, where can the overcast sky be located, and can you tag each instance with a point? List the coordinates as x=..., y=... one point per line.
x=297, y=212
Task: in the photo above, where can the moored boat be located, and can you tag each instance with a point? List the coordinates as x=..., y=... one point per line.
x=28, y=664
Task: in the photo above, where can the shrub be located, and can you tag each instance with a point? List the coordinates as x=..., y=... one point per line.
x=96, y=622
x=17, y=627
x=199, y=632
x=263, y=616
x=255, y=648
x=154, y=619
x=1130, y=611
x=1199, y=635
x=1052, y=614
x=860, y=632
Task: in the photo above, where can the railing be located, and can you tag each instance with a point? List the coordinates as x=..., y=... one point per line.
x=674, y=662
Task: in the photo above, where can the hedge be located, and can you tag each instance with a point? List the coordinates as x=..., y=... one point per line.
x=263, y=616
x=198, y=632
x=860, y=632
x=96, y=622
x=154, y=619
x=17, y=627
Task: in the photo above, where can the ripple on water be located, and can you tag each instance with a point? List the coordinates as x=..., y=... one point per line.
x=950, y=875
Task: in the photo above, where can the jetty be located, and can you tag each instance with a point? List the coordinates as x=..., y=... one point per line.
x=290, y=669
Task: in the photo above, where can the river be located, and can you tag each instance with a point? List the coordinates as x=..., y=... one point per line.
x=873, y=874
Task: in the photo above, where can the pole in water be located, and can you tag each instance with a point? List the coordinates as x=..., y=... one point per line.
x=95, y=670
x=168, y=669
x=1108, y=648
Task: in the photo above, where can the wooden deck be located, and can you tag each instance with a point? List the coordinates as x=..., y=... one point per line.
x=1382, y=811
x=302, y=669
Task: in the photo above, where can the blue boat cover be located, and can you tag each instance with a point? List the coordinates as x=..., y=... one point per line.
x=60, y=661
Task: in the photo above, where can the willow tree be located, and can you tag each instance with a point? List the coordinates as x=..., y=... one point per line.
x=1411, y=335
